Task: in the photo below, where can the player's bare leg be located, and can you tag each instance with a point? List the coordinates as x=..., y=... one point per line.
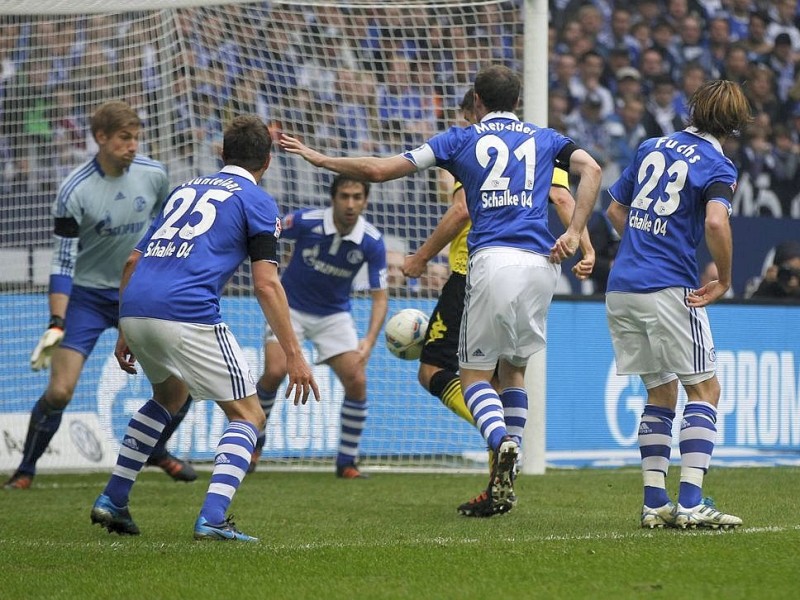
x=349, y=368
x=267, y=389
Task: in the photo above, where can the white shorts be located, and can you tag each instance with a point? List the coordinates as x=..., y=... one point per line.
x=658, y=336
x=206, y=357
x=331, y=335
x=508, y=295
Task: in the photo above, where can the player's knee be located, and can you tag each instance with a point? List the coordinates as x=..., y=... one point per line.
x=355, y=385
x=259, y=420
x=425, y=373
x=271, y=378
x=439, y=381
x=424, y=379
x=59, y=396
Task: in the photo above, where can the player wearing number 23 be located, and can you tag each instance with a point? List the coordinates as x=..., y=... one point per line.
x=506, y=167
x=677, y=188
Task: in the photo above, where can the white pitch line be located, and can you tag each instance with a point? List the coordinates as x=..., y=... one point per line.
x=183, y=546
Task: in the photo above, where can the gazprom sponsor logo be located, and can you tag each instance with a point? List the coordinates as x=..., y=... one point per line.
x=759, y=404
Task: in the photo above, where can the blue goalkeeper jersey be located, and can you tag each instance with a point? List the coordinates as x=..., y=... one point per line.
x=195, y=245
x=667, y=188
x=506, y=168
x=320, y=274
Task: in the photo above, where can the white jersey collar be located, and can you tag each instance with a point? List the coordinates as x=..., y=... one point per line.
x=500, y=114
x=234, y=170
x=707, y=137
x=329, y=227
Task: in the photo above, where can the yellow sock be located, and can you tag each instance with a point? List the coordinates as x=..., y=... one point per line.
x=453, y=399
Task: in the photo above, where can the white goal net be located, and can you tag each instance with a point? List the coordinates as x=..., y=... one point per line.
x=352, y=77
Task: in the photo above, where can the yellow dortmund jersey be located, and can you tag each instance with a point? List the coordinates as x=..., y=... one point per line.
x=458, y=247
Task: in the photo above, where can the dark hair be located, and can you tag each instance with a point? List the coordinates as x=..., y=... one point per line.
x=498, y=88
x=341, y=180
x=468, y=101
x=113, y=116
x=719, y=107
x=246, y=143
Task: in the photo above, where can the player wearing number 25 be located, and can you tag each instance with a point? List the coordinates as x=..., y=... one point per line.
x=170, y=321
x=676, y=188
x=506, y=167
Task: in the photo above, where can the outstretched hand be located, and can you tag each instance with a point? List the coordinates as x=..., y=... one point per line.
x=295, y=146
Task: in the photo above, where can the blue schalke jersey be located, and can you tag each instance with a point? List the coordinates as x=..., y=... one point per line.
x=667, y=187
x=506, y=167
x=320, y=274
x=195, y=245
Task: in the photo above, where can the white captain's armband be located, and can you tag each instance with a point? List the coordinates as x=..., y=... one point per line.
x=422, y=157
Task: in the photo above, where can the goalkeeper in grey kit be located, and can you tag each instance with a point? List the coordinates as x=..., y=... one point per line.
x=102, y=209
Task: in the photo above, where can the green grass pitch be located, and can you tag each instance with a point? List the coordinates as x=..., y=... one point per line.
x=574, y=534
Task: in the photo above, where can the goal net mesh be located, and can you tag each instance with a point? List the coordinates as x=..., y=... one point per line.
x=349, y=78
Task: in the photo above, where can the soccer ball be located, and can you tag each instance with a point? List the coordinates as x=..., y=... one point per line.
x=405, y=333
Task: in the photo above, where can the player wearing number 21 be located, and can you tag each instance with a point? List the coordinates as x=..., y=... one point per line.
x=170, y=321
x=506, y=167
x=676, y=187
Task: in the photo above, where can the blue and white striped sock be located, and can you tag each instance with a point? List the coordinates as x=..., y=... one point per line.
x=487, y=410
x=697, y=438
x=515, y=409
x=137, y=445
x=353, y=419
x=655, y=445
x=230, y=466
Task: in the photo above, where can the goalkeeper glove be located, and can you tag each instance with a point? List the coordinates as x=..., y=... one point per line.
x=40, y=357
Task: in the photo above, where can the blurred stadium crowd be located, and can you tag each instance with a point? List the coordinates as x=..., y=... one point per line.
x=365, y=80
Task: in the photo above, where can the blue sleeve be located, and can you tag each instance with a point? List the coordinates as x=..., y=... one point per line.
x=445, y=145
x=622, y=189
x=293, y=225
x=262, y=215
x=376, y=261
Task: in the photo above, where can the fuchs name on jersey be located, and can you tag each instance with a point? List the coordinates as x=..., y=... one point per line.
x=688, y=150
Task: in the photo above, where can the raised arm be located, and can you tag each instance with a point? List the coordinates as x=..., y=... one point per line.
x=453, y=221
x=369, y=168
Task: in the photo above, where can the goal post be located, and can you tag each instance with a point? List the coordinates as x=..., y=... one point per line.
x=349, y=77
